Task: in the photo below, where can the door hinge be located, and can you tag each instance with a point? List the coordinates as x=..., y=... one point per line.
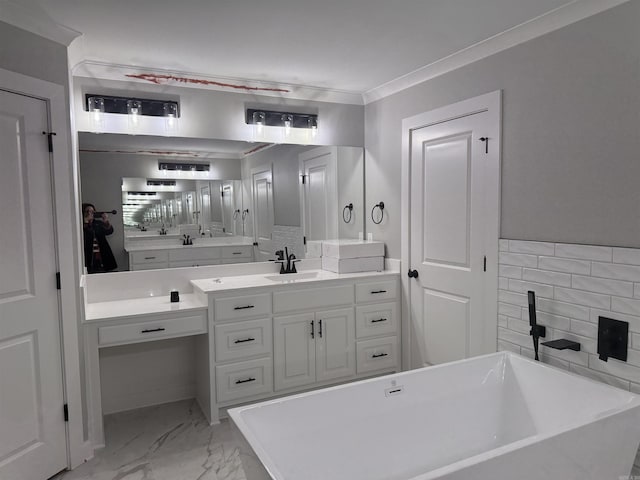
x=485, y=263
x=50, y=139
x=304, y=179
x=65, y=410
x=58, y=281
x=304, y=240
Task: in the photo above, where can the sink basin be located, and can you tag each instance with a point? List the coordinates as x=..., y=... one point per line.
x=291, y=277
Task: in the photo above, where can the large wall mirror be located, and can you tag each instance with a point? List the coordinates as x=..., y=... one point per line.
x=228, y=201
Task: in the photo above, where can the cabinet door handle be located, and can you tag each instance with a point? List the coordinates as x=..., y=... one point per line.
x=245, y=340
x=379, y=320
x=375, y=292
x=244, y=308
x=151, y=330
x=246, y=380
x=378, y=355
x=313, y=330
x=320, y=330
x=149, y=258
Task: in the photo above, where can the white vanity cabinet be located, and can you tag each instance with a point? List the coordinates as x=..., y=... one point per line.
x=313, y=347
x=189, y=256
x=297, y=336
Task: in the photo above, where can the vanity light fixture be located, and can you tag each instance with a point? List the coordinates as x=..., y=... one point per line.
x=281, y=119
x=95, y=106
x=134, y=110
x=161, y=183
x=184, y=167
x=98, y=105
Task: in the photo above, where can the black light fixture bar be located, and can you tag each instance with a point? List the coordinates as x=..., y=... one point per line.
x=161, y=183
x=184, y=167
x=142, y=193
x=152, y=108
x=277, y=119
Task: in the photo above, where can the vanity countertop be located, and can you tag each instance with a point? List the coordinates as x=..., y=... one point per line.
x=198, y=242
x=222, y=284
x=142, y=306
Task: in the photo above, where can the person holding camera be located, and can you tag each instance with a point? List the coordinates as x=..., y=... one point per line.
x=98, y=256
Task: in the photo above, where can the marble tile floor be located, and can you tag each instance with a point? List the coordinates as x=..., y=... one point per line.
x=165, y=442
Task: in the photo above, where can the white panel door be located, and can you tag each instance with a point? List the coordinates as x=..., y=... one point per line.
x=32, y=430
x=228, y=221
x=294, y=351
x=450, y=215
x=263, y=215
x=335, y=344
x=319, y=193
x=205, y=209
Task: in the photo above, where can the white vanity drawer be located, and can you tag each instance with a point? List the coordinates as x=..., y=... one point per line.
x=148, y=266
x=152, y=330
x=193, y=263
x=378, y=354
x=242, y=251
x=227, y=261
x=245, y=379
x=290, y=300
x=231, y=308
x=194, y=253
x=371, y=292
x=376, y=319
x=243, y=339
x=149, y=256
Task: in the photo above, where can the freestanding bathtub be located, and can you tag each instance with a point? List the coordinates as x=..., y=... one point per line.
x=496, y=417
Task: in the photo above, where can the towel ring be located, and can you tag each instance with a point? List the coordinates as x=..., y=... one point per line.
x=236, y=214
x=381, y=207
x=245, y=213
x=346, y=213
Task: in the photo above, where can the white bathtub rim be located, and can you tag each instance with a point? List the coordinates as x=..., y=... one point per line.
x=270, y=467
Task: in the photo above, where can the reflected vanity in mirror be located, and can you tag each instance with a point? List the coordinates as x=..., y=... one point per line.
x=192, y=202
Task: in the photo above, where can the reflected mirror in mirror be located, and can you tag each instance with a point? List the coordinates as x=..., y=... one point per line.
x=228, y=201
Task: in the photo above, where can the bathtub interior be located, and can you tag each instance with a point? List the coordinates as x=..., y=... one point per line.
x=440, y=416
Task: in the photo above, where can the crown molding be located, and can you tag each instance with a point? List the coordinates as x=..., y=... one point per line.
x=24, y=18
x=550, y=21
x=157, y=76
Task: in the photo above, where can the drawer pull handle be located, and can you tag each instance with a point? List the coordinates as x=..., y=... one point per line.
x=244, y=340
x=149, y=258
x=379, y=320
x=237, y=253
x=151, y=330
x=378, y=291
x=246, y=380
x=244, y=308
x=378, y=355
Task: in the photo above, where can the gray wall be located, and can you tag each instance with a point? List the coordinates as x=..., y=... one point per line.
x=26, y=53
x=571, y=133
x=101, y=177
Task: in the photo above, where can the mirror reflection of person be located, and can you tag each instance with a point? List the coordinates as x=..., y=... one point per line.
x=98, y=256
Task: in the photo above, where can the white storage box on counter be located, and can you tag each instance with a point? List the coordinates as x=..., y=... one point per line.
x=351, y=256
x=353, y=265
x=352, y=248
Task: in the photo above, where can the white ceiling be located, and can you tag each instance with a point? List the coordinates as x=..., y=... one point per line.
x=347, y=45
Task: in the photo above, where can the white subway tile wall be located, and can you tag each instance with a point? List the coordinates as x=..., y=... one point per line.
x=574, y=285
x=291, y=237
